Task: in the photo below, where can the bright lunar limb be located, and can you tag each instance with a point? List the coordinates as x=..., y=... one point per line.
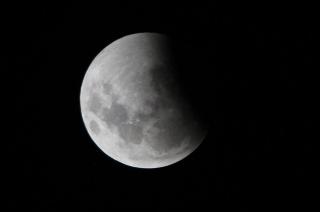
x=133, y=107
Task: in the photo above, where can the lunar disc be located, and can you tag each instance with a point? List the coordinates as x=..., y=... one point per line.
x=132, y=105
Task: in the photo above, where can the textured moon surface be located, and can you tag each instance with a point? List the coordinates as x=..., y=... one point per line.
x=132, y=106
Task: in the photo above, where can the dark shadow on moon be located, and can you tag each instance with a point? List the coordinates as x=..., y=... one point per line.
x=163, y=80
x=131, y=133
x=172, y=132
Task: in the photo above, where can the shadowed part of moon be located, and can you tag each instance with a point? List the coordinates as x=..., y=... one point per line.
x=169, y=136
x=131, y=133
x=162, y=80
x=165, y=83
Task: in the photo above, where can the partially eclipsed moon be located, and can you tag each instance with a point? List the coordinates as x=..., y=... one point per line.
x=133, y=107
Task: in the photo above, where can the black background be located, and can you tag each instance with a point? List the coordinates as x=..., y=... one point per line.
x=252, y=67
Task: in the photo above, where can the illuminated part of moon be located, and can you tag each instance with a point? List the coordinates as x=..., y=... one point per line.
x=132, y=106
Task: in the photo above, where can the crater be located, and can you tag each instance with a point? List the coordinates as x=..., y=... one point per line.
x=94, y=126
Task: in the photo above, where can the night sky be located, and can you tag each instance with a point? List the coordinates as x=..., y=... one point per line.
x=251, y=68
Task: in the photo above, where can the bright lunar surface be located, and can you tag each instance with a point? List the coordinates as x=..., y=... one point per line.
x=132, y=106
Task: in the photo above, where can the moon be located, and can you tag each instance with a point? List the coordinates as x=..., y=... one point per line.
x=133, y=106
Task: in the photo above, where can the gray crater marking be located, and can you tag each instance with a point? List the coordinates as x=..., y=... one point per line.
x=115, y=115
x=94, y=126
x=94, y=103
x=106, y=88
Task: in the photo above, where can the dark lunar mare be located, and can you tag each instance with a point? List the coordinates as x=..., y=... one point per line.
x=106, y=88
x=131, y=133
x=94, y=103
x=94, y=126
x=117, y=116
